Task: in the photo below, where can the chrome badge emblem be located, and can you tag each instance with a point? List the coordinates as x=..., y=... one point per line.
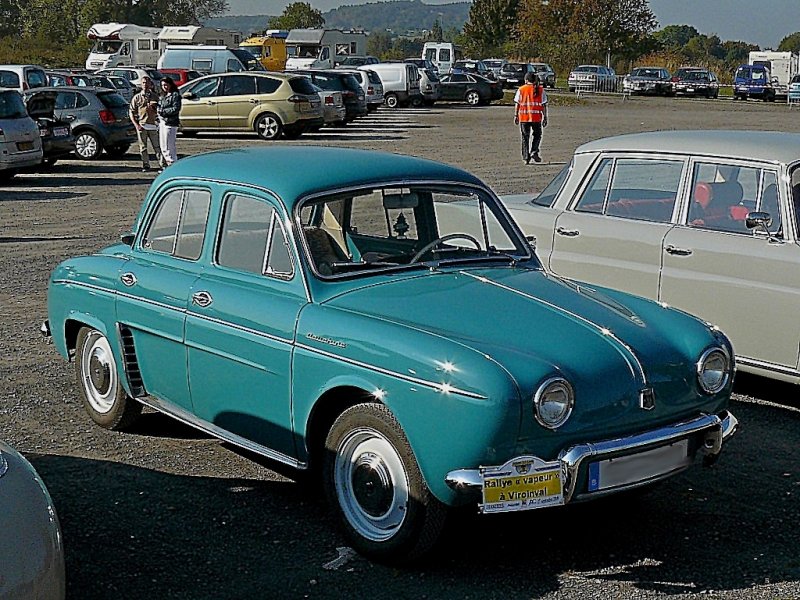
x=647, y=399
x=522, y=467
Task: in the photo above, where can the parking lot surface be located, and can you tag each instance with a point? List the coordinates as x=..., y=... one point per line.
x=165, y=512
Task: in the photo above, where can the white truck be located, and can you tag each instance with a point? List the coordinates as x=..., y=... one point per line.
x=322, y=48
x=193, y=35
x=122, y=45
x=782, y=67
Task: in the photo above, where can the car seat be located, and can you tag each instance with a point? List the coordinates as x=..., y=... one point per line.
x=324, y=249
x=716, y=205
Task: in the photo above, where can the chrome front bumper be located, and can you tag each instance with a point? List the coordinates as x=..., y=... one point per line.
x=714, y=429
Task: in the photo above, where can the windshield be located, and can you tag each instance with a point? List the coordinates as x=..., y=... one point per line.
x=301, y=51
x=250, y=62
x=106, y=47
x=586, y=69
x=11, y=106
x=646, y=73
x=396, y=228
x=493, y=64
x=254, y=50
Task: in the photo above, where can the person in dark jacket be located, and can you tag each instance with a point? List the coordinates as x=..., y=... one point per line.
x=169, y=109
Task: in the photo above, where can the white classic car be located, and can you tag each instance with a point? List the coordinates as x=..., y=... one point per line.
x=706, y=221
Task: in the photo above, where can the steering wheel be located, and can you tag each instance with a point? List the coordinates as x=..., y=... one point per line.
x=450, y=236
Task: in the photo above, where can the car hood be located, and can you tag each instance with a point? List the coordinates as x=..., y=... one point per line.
x=41, y=104
x=609, y=345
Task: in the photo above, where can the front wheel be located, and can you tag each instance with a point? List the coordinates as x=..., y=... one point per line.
x=268, y=127
x=104, y=398
x=473, y=98
x=374, y=484
x=391, y=100
x=87, y=145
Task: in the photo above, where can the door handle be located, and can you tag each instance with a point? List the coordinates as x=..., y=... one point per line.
x=210, y=103
x=567, y=232
x=128, y=279
x=678, y=251
x=202, y=299
x=254, y=101
x=69, y=118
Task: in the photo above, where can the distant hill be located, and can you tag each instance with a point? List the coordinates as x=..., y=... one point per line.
x=397, y=15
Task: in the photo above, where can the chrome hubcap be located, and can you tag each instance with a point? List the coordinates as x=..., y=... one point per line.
x=371, y=484
x=99, y=373
x=268, y=127
x=473, y=98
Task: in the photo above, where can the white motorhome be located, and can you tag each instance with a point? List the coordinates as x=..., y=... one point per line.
x=442, y=54
x=322, y=48
x=782, y=67
x=122, y=45
x=199, y=36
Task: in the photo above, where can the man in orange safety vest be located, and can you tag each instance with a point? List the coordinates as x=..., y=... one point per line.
x=530, y=113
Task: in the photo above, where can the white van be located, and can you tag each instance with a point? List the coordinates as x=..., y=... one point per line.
x=122, y=45
x=400, y=82
x=208, y=59
x=322, y=48
x=442, y=54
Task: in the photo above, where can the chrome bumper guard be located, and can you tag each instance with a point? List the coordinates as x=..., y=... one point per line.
x=715, y=429
x=44, y=329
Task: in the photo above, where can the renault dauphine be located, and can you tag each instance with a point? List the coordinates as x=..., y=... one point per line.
x=380, y=320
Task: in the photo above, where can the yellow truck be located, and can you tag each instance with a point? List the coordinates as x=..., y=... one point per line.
x=269, y=49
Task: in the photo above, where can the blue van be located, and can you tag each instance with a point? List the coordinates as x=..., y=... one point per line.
x=753, y=81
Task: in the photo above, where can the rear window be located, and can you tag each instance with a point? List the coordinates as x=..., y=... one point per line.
x=11, y=106
x=351, y=83
x=301, y=85
x=373, y=77
x=329, y=82
x=36, y=78
x=112, y=100
x=9, y=79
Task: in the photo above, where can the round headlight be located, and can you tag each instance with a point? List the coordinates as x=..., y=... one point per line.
x=713, y=370
x=553, y=402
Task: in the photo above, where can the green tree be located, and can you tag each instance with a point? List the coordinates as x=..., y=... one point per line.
x=673, y=37
x=791, y=43
x=379, y=43
x=298, y=15
x=737, y=53
x=703, y=48
x=436, y=34
x=490, y=26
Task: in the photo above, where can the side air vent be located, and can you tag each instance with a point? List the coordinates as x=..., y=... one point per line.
x=131, y=364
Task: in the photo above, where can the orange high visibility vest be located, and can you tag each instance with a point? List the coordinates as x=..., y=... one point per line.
x=531, y=107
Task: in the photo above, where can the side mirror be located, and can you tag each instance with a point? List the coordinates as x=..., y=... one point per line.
x=531, y=241
x=127, y=238
x=761, y=220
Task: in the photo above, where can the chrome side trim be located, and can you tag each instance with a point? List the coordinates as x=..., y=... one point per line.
x=189, y=419
x=241, y=328
x=439, y=387
x=759, y=364
x=717, y=430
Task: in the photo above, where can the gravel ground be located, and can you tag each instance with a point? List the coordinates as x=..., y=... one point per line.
x=165, y=512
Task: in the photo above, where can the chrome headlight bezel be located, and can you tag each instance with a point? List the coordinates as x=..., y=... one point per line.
x=713, y=353
x=553, y=385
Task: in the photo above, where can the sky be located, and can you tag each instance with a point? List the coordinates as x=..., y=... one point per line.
x=764, y=22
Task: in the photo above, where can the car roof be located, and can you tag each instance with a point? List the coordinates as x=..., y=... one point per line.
x=323, y=169
x=773, y=146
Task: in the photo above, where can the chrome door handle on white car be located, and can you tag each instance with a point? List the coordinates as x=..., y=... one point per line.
x=567, y=232
x=678, y=251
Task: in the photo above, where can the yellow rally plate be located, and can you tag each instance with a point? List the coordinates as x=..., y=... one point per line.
x=507, y=489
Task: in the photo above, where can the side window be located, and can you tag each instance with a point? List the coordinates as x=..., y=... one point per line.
x=430, y=54
x=179, y=224
x=444, y=55
x=326, y=53
x=593, y=198
x=65, y=100
x=234, y=65
x=143, y=44
x=202, y=64
x=36, y=78
x=267, y=85
x=206, y=88
x=721, y=196
x=644, y=190
x=238, y=85
x=252, y=238
x=81, y=101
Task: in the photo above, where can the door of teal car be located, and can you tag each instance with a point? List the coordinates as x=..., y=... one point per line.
x=155, y=285
x=240, y=325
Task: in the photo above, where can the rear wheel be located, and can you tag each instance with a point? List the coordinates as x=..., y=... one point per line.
x=87, y=145
x=99, y=382
x=391, y=100
x=374, y=484
x=268, y=126
x=473, y=98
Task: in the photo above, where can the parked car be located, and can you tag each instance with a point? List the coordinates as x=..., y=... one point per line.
x=327, y=308
x=753, y=81
x=123, y=86
x=78, y=79
x=22, y=77
x=423, y=63
x=794, y=89
x=681, y=217
x=359, y=61
x=429, y=87
x=370, y=83
x=20, y=143
x=98, y=118
x=269, y=104
x=545, y=73
x=697, y=82
x=592, y=78
x=355, y=100
x=494, y=65
x=31, y=546
x=133, y=74
x=648, y=80
x=476, y=67
x=181, y=76
x=400, y=82
x=55, y=135
x=332, y=103
x=472, y=89
x=513, y=74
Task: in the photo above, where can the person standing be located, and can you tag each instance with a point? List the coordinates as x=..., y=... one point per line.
x=169, y=110
x=143, y=113
x=530, y=113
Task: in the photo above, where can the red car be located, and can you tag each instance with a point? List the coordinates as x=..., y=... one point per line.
x=181, y=76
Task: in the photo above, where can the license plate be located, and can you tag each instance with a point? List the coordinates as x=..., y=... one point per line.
x=616, y=472
x=522, y=483
x=131, y=132
x=689, y=89
x=60, y=132
x=24, y=146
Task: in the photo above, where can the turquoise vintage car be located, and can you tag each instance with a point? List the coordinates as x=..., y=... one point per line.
x=381, y=319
